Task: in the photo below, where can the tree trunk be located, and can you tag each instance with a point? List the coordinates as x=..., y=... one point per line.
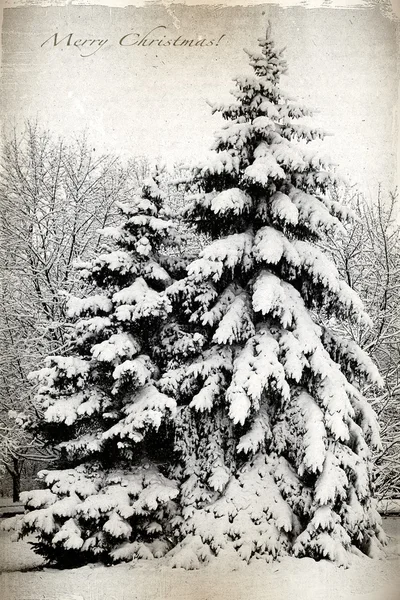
x=15, y=473
x=16, y=479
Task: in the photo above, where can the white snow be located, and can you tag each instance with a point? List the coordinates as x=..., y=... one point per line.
x=137, y=204
x=147, y=408
x=64, y=409
x=118, y=346
x=314, y=432
x=235, y=135
x=38, y=498
x=91, y=304
x=69, y=535
x=154, y=271
x=225, y=253
x=232, y=200
x=270, y=245
x=269, y=109
x=226, y=579
x=138, y=301
x=269, y=295
x=351, y=351
x=283, y=209
x=93, y=325
x=263, y=169
x=118, y=260
x=237, y=324
x=288, y=155
x=211, y=389
x=259, y=431
x=254, y=367
x=223, y=162
x=215, y=314
x=314, y=214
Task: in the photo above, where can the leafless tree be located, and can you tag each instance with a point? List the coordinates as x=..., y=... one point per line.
x=369, y=259
x=54, y=197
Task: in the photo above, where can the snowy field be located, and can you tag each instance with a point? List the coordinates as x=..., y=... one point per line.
x=291, y=579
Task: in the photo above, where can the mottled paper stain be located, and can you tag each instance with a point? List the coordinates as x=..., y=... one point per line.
x=354, y=85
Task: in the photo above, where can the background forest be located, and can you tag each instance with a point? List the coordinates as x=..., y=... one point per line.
x=55, y=194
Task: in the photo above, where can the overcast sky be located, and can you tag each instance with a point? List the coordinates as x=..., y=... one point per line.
x=137, y=97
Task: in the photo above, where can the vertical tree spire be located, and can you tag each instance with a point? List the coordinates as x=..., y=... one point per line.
x=274, y=436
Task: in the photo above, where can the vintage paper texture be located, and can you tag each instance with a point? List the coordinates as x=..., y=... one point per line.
x=75, y=66
x=136, y=97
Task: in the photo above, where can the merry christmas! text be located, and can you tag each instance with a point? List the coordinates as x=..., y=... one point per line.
x=156, y=37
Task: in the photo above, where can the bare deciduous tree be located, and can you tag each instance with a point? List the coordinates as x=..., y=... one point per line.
x=370, y=262
x=54, y=196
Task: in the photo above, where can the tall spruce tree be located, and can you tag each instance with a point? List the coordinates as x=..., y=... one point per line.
x=100, y=407
x=273, y=436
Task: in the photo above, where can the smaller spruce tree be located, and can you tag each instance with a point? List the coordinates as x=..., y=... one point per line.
x=100, y=407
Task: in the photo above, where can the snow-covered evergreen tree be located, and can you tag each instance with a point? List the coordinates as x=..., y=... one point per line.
x=108, y=498
x=272, y=433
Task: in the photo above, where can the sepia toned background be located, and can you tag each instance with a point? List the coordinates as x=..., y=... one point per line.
x=343, y=59
x=153, y=100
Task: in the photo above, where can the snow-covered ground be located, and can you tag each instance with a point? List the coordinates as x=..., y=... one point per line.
x=290, y=579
